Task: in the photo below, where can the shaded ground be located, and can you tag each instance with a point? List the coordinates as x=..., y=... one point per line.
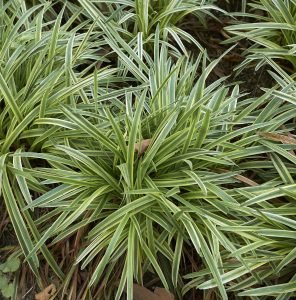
x=210, y=38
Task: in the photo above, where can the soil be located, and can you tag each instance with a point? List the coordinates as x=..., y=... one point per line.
x=211, y=38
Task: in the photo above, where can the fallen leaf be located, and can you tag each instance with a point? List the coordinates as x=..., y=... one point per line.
x=163, y=294
x=241, y=178
x=233, y=57
x=279, y=138
x=142, y=146
x=246, y=180
x=142, y=293
x=47, y=293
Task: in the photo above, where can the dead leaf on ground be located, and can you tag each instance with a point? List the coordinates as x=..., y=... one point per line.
x=163, y=294
x=142, y=293
x=233, y=57
x=47, y=293
x=246, y=180
x=142, y=146
x=279, y=138
x=241, y=178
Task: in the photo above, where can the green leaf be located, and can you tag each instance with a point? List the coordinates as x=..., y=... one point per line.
x=12, y=264
x=3, y=282
x=271, y=290
x=8, y=290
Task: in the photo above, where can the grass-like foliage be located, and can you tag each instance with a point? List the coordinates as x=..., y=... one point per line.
x=138, y=163
x=272, y=31
x=139, y=19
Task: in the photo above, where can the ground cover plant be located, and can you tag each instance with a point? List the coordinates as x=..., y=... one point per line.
x=272, y=32
x=123, y=163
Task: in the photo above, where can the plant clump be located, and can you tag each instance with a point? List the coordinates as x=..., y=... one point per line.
x=123, y=164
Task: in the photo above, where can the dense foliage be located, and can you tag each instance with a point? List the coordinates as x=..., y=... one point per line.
x=118, y=147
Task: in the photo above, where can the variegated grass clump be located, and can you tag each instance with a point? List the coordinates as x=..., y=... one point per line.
x=215, y=175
